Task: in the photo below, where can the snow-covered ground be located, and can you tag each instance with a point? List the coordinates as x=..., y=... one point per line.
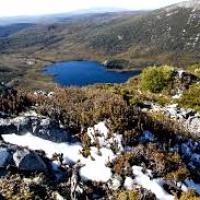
x=94, y=167
x=154, y=185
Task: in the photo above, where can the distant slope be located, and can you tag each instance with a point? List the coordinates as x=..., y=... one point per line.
x=174, y=29
x=7, y=30
x=59, y=32
x=169, y=35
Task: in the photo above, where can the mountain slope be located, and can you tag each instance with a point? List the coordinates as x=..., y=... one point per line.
x=168, y=35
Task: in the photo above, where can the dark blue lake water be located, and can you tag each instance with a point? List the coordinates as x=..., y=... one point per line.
x=81, y=73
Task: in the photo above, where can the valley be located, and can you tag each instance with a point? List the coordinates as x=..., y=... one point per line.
x=101, y=105
x=164, y=36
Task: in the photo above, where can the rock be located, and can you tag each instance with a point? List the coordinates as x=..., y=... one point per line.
x=146, y=195
x=6, y=90
x=195, y=159
x=29, y=161
x=5, y=157
x=186, y=77
x=40, y=93
x=186, y=113
x=172, y=111
x=37, y=180
x=22, y=124
x=42, y=127
x=145, y=105
x=57, y=196
x=193, y=125
x=116, y=64
x=115, y=182
x=50, y=130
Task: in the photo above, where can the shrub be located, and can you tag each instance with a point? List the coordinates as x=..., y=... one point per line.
x=13, y=102
x=190, y=97
x=179, y=175
x=79, y=108
x=194, y=69
x=15, y=188
x=122, y=162
x=189, y=195
x=155, y=79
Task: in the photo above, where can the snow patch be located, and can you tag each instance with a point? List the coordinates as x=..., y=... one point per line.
x=128, y=183
x=154, y=185
x=94, y=167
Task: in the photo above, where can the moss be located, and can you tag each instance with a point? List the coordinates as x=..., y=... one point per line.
x=156, y=79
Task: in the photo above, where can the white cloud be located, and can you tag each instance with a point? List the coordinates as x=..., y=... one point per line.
x=37, y=7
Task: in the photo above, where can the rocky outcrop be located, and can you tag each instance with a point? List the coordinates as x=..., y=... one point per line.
x=42, y=127
x=21, y=158
x=188, y=119
x=5, y=157
x=117, y=64
x=115, y=182
x=182, y=80
x=6, y=89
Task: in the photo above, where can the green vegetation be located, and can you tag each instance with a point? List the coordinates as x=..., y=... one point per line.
x=140, y=39
x=190, y=98
x=14, y=187
x=81, y=107
x=195, y=69
x=156, y=79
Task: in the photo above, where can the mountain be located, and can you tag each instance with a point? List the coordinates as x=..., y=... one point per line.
x=55, y=17
x=170, y=35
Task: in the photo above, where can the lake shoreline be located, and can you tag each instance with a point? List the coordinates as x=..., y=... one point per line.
x=75, y=73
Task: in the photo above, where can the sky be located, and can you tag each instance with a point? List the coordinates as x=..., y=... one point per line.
x=40, y=7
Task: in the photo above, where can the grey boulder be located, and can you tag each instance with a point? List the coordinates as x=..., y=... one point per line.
x=5, y=157
x=26, y=160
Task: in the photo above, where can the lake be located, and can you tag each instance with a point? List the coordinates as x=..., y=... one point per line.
x=82, y=73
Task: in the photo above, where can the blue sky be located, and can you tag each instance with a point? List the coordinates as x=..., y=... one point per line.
x=38, y=7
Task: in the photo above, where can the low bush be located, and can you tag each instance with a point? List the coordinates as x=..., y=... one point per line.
x=156, y=79
x=195, y=69
x=190, y=98
x=189, y=195
x=12, y=102
x=78, y=108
